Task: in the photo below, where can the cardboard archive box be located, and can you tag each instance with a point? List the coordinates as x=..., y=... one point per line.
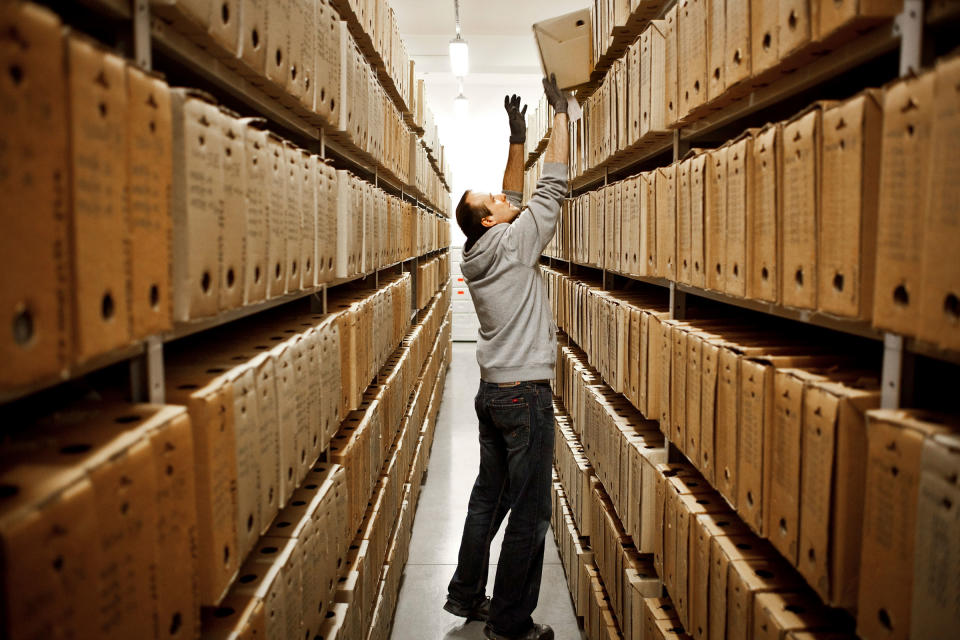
x=210, y=403
x=896, y=442
x=327, y=97
x=705, y=527
x=904, y=184
x=196, y=204
x=255, y=180
x=35, y=294
x=277, y=38
x=692, y=55
x=684, y=222
x=149, y=161
x=233, y=212
x=764, y=35
x=764, y=250
x=666, y=227
x=99, y=223
x=795, y=25
x=252, y=42
x=832, y=485
x=776, y=614
x=739, y=212
x=294, y=226
x=737, y=43
x=936, y=543
x=273, y=575
x=716, y=49
x=802, y=142
x=715, y=218
x=940, y=296
x=652, y=78
x=302, y=43
x=849, y=176
x=277, y=218
x=831, y=17
x=671, y=67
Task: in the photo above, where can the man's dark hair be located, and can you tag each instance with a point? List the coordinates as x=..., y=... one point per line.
x=469, y=218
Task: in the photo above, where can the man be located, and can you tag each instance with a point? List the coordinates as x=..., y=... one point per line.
x=516, y=351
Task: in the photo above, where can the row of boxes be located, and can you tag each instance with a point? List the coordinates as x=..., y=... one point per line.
x=424, y=179
x=266, y=399
x=771, y=422
x=715, y=583
x=274, y=594
x=705, y=52
x=539, y=126
x=154, y=206
x=430, y=275
x=300, y=51
x=807, y=213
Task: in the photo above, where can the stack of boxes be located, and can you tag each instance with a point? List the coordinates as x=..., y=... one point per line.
x=466, y=324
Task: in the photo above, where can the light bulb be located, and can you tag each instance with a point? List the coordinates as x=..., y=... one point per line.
x=459, y=57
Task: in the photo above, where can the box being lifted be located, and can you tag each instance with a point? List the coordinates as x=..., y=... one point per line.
x=565, y=49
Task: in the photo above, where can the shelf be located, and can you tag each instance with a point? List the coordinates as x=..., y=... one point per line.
x=76, y=371
x=859, y=328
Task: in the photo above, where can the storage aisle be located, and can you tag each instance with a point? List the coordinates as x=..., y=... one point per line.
x=454, y=461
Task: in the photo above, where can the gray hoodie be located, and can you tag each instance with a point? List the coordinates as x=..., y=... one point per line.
x=517, y=338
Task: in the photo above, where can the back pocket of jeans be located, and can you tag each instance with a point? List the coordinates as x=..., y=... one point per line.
x=512, y=418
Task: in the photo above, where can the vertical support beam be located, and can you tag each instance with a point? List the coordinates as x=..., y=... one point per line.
x=141, y=34
x=146, y=373
x=680, y=147
x=909, y=26
x=678, y=303
x=892, y=381
x=323, y=143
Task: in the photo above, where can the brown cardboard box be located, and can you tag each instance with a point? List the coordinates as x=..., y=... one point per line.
x=763, y=250
x=652, y=78
x=326, y=183
x=120, y=465
x=697, y=219
x=233, y=212
x=896, y=439
x=270, y=576
x=278, y=42
x=715, y=218
x=209, y=400
x=764, y=35
x=684, y=218
x=737, y=42
x=252, y=48
x=692, y=48
x=802, y=140
x=775, y=614
x=255, y=202
x=716, y=48
x=277, y=220
x=723, y=551
x=148, y=201
x=704, y=527
x=308, y=216
x=795, y=25
x=689, y=507
x=327, y=97
x=832, y=485
x=666, y=215
x=749, y=578
x=50, y=534
x=709, y=376
x=832, y=16
x=648, y=223
x=34, y=295
x=301, y=79
x=224, y=26
x=671, y=67
x=100, y=226
x=904, y=185
x=849, y=175
x=940, y=295
x=196, y=202
x=739, y=213
x=296, y=234
x=937, y=539
x=634, y=89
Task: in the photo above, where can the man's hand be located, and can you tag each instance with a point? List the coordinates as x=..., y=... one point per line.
x=518, y=119
x=556, y=97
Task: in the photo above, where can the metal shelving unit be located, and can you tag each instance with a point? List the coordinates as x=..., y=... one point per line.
x=219, y=75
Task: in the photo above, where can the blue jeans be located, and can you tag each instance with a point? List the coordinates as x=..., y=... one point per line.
x=516, y=460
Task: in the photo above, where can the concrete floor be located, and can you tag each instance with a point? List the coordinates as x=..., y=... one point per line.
x=439, y=524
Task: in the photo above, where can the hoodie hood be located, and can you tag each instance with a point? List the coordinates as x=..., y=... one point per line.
x=479, y=258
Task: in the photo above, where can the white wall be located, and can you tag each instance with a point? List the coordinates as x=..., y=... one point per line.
x=478, y=145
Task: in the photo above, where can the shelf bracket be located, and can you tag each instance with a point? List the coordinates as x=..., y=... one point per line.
x=146, y=373
x=141, y=34
x=893, y=380
x=909, y=26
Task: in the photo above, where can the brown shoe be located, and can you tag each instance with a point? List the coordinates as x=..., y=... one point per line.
x=536, y=632
x=479, y=611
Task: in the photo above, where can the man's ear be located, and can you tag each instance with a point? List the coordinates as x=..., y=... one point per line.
x=488, y=221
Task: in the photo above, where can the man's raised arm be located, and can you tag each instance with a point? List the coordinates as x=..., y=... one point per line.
x=513, y=174
x=534, y=227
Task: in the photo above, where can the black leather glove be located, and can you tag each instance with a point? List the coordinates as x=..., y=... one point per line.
x=518, y=119
x=556, y=97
